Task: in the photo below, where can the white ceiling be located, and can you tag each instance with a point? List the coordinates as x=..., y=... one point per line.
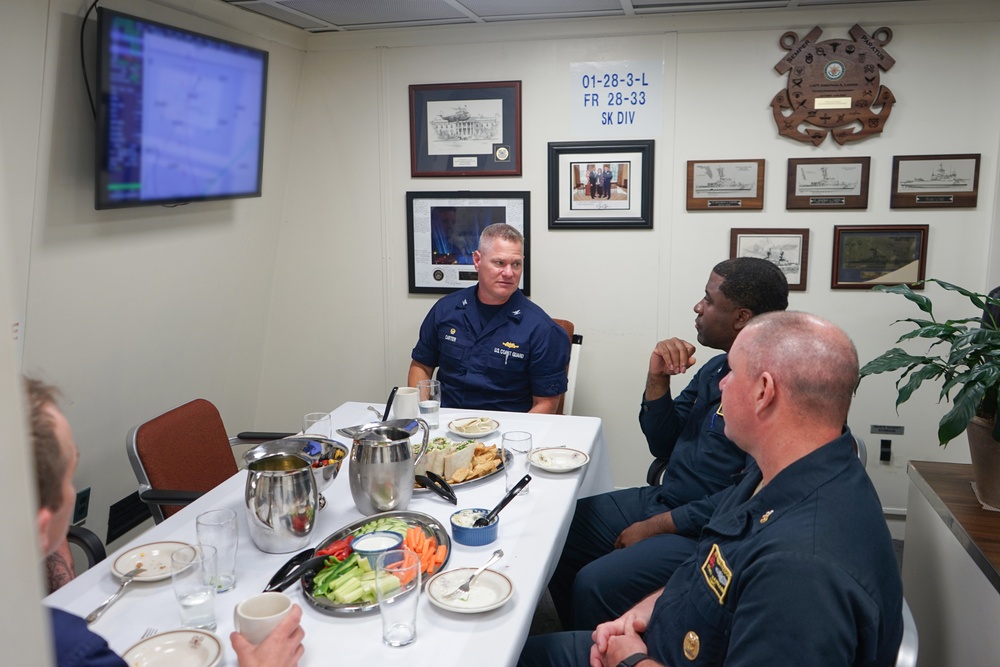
x=340, y=15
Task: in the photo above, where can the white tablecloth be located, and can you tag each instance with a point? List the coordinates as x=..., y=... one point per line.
x=532, y=531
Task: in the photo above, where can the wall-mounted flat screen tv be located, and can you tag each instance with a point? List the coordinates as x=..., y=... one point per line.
x=180, y=116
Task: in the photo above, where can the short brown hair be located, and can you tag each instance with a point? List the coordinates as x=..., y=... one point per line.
x=50, y=464
x=499, y=230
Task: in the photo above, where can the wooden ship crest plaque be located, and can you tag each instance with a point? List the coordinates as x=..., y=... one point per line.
x=833, y=86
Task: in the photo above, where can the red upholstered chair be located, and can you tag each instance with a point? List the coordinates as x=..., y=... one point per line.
x=180, y=455
x=565, y=406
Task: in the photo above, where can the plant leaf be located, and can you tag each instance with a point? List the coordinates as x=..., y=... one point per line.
x=923, y=302
x=916, y=379
x=979, y=300
x=962, y=411
x=893, y=360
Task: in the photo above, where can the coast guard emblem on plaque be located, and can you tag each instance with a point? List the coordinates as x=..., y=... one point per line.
x=833, y=86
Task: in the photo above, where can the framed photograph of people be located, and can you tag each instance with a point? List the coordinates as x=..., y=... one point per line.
x=827, y=183
x=443, y=231
x=465, y=129
x=601, y=185
x=788, y=249
x=869, y=255
x=935, y=181
x=725, y=185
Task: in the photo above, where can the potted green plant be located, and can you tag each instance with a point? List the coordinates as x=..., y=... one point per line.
x=968, y=362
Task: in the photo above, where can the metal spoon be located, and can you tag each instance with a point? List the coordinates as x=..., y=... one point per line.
x=485, y=520
x=126, y=580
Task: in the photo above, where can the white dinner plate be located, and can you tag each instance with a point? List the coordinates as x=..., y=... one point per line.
x=177, y=648
x=154, y=558
x=480, y=427
x=490, y=591
x=558, y=459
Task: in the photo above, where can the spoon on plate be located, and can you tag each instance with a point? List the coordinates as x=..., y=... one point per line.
x=485, y=520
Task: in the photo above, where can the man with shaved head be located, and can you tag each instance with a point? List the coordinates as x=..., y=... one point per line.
x=795, y=566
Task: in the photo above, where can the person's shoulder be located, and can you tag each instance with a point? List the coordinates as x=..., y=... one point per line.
x=467, y=294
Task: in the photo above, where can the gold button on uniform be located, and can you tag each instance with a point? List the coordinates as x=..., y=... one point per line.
x=692, y=645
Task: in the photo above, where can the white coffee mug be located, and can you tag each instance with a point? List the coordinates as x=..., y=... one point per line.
x=257, y=616
x=406, y=405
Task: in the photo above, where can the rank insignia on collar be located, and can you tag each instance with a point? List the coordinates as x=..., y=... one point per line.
x=516, y=312
x=717, y=573
x=767, y=515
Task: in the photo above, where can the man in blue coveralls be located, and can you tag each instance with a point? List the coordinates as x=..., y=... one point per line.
x=620, y=546
x=796, y=565
x=494, y=349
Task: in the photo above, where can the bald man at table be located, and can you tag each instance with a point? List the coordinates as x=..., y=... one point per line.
x=56, y=457
x=796, y=565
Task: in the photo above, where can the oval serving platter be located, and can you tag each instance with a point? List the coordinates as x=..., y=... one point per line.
x=431, y=527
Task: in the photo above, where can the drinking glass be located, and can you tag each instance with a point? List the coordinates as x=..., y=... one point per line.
x=217, y=528
x=311, y=423
x=193, y=571
x=516, y=457
x=430, y=401
x=397, y=585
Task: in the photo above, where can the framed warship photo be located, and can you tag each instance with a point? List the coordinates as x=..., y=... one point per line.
x=865, y=256
x=788, y=249
x=601, y=185
x=442, y=233
x=465, y=129
x=827, y=183
x=725, y=185
x=935, y=181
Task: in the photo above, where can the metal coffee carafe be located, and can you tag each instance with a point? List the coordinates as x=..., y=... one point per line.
x=381, y=465
x=281, y=498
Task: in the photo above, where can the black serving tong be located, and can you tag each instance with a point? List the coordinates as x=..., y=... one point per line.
x=388, y=404
x=485, y=520
x=296, y=566
x=438, y=485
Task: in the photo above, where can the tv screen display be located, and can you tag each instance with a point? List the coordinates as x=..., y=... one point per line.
x=180, y=116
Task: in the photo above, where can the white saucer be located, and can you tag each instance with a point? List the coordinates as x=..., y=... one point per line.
x=154, y=557
x=177, y=648
x=490, y=591
x=558, y=459
x=489, y=425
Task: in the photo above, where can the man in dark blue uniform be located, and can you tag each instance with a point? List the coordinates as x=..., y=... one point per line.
x=796, y=565
x=621, y=545
x=56, y=457
x=494, y=349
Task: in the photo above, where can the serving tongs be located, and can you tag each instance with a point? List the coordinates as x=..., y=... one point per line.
x=438, y=485
x=485, y=520
x=296, y=566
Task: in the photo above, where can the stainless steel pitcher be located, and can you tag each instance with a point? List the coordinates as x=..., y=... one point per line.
x=381, y=466
x=281, y=498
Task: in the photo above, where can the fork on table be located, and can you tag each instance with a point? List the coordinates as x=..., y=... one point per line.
x=464, y=588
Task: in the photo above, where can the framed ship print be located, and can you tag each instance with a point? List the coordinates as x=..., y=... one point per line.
x=788, y=249
x=465, y=129
x=827, y=183
x=935, y=181
x=725, y=185
x=869, y=255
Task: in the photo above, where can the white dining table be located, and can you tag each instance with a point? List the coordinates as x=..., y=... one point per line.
x=532, y=531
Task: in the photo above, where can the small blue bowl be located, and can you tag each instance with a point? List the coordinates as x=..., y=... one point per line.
x=474, y=536
x=370, y=545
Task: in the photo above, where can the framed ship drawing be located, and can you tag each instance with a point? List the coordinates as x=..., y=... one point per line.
x=788, y=249
x=827, y=183
x=465, y=129
x=725, y=185
x=935, y=181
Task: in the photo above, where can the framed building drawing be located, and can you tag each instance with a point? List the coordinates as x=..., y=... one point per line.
x=601, y=185
x=935, y=181
x=443, y=231
x=465, y=129
x=865, y=256
x=725, y=185
x=827, y=183
x=788, y=249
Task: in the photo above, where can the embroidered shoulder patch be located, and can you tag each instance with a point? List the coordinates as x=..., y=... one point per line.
x=717, y=573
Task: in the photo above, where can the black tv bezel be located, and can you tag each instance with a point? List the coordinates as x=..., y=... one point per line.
x=104, y=18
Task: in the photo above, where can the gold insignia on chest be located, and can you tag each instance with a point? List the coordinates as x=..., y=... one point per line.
x=692, y=645
x=509, y=345
x=717, y=573
x=767, y=515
